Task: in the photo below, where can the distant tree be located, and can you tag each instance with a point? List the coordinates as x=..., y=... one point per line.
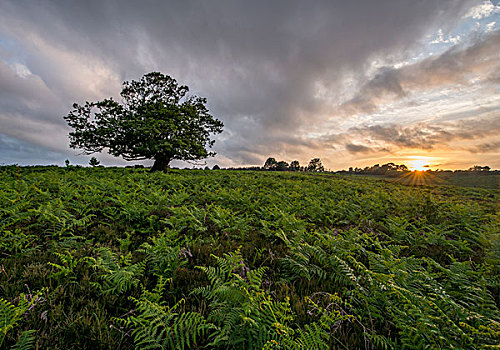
x=270, y=164
x=281, y=166
x=315, y=165
x=93, y=162
x=389, y=166
x=477, y=168
x=295, y=165
x=156, y=120
x=66, y=162
x=216, y=167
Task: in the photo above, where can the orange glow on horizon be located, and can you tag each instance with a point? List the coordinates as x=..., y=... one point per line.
x=419, y=163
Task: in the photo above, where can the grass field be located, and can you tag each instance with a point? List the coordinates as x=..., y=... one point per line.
x=101, y=258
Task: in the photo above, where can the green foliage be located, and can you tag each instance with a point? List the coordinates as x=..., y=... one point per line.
x=26, y=341
x=155, y=121
x=245, y=316
x=315, y=165
x=128, y=259
x=10, y=317
x=67, y=266
x=16, y=242
x=158, y=326
x=163, y=255
x=117, y=272
x=248, y=317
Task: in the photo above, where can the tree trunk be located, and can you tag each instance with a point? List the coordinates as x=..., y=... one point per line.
x=161, y=164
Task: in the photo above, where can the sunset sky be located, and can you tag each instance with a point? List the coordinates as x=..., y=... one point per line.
x=352, y=82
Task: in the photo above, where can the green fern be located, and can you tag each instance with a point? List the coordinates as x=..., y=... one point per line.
x=245, y=316
x=157, y=326
x=26, y=341
x=164, y=254
x=11, y=315
x=117, y=272
x=67, y=266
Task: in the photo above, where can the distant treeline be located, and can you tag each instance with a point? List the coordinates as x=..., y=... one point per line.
x=271, y=164
x=315, y=165
x=388, y=169
x=395, y=169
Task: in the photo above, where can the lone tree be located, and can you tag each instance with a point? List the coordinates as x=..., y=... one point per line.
x=93, y=162
x=156, y=120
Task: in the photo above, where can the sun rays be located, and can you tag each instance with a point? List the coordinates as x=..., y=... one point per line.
x=419, y=178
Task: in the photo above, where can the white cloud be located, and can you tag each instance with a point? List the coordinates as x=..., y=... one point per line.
x=449, y=40
x=20, y=69
x=456, y=68
x=486, y=9
x=490, y=26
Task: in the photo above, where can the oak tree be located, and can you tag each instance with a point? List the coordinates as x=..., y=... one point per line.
x=155, y=120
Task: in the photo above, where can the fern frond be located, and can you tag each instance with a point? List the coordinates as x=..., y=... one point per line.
x=26, y=341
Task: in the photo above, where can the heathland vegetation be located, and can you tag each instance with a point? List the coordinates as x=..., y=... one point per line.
x=102, y=258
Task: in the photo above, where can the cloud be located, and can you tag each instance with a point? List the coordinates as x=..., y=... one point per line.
x=29, y=109
x=442, y=40
x=272, y=71
x=459, y=66
x=490, y=26
x=426, y=136
x=354, y=148
x=15, y=151
x=486, y=9
x=493, y=147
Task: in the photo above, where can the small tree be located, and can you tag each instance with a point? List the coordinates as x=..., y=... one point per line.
x=270, y=163
x=216, y=167
x=295, y=165
x=315, y=165
x=156, y=120
x=93, y=162
x=281, y=166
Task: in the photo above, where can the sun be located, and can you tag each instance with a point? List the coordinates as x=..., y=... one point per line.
x=418, y=164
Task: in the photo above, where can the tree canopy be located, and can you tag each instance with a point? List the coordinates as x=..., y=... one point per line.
x=93, y=162
x=155, y=120
x=295, y=165
x=315, y=165
x=270, y=163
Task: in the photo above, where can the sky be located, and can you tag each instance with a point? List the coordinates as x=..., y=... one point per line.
x=354, y=83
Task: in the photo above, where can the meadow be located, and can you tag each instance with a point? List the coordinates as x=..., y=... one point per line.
x=114, y=258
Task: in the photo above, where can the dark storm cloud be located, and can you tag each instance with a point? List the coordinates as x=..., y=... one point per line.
x=454, y=67
x=259, y=63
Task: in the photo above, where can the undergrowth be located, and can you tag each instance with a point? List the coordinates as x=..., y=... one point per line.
x=121, y=259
